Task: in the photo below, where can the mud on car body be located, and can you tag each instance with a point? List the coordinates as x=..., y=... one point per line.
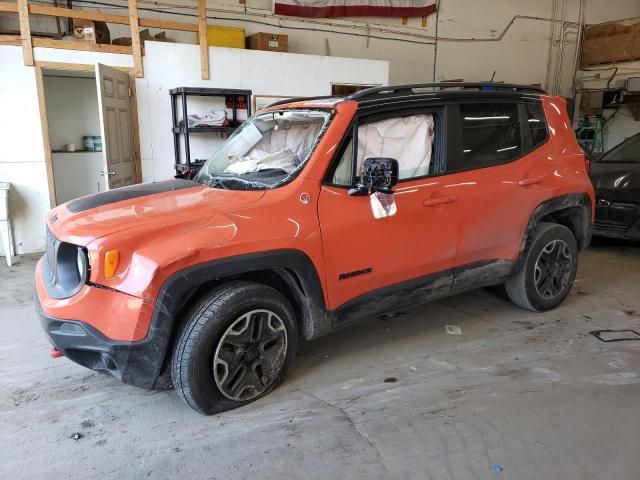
x=315, y=214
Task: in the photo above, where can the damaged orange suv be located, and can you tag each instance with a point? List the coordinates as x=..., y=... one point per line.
x=317, y=213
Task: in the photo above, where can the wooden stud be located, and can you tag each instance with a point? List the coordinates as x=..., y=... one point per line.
x=10, y=40
x=86, y=46
x=25, y=32
x=46, y=142
x=135, y=39
x=405, y=20
x=202, y=39
x=84, y=67
x=135, y=126
x=79, y=14
x=8, y=7
x=424, y=22
x=100, y=17
x=167, y=25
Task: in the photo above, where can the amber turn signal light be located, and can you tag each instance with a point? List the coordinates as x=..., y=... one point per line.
x=111, y=259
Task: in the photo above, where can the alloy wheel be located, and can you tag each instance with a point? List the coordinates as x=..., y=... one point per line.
x=250, y=355
x=552, y=270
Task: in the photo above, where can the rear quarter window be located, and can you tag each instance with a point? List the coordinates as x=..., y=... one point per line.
x=537, y=123
x=490, y=134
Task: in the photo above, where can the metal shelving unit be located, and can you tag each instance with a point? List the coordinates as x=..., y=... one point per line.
x=182, y=130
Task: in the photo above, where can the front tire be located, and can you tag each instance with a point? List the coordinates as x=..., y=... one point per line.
x=545, y=278
x=236, y=346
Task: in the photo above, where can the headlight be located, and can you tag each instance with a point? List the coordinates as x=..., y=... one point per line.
x=72, y=267
x=81, y=263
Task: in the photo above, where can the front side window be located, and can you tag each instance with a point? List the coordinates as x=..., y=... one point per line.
x=267, y=151
x=490, y=134
x=626, y=152
x=408, y=139
x=343, y=175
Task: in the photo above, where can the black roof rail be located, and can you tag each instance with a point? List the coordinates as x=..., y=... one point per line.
x=488, y=86
x=301, y=99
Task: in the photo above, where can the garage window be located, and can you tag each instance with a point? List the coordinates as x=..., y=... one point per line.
x=490, y=134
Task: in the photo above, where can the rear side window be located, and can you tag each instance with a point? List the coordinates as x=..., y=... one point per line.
x=537, y=123
x=490, y=134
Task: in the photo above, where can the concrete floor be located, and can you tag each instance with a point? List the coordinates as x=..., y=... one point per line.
x=534, y=394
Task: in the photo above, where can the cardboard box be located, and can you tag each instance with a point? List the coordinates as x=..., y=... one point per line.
x=268, y=41
x=84, y=30
x=230, y=37
x=144, y=36
x=89, y=31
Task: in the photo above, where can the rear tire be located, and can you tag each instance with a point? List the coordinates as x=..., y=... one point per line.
x=545, y=278
x=236, y=346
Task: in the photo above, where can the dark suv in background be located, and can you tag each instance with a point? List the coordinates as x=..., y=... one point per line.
x=616, y=179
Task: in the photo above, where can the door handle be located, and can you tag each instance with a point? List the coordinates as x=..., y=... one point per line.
x=434, y=202
x=110, y=174
x=525, y=182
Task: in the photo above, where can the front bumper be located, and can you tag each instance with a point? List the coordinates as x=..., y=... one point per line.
x=88, y=329
x=135, y=363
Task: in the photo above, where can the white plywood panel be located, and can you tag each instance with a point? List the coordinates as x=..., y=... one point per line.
x=41, y=54
x=28, y=203
x=169, y=65
x=22, y=153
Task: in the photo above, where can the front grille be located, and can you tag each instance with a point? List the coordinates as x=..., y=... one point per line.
x=611, y=226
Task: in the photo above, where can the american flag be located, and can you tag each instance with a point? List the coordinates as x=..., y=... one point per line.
x=355, y=8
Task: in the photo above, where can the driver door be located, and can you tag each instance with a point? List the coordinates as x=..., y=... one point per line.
x=375, y=264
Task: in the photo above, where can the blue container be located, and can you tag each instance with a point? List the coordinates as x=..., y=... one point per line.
x=87, y=142
x=97, y=143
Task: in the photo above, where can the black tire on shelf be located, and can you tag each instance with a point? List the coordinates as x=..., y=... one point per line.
x=549, y=269
x=236, y=345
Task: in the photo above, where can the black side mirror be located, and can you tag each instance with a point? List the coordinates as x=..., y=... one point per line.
x=378, y=175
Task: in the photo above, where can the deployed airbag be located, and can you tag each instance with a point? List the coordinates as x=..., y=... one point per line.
x=284, y=160
x=407, y=139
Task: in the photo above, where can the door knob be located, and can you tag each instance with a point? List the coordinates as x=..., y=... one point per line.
x=110, y=174
x=530, y=181
x=436, y=201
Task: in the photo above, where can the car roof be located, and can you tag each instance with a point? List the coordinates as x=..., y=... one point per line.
x=371, y=98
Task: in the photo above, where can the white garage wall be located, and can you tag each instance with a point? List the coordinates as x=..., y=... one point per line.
x=470, y=46
x=22, y=161
x=170, y=65
x=21, y=150
x=166, y=66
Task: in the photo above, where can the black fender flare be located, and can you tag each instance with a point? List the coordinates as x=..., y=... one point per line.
x=293, y=267
x=557, y=204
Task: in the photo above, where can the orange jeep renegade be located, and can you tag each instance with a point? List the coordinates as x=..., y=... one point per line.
x=314, y=214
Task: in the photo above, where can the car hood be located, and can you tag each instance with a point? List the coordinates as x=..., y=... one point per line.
x=615, y=176
x=152, y=205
